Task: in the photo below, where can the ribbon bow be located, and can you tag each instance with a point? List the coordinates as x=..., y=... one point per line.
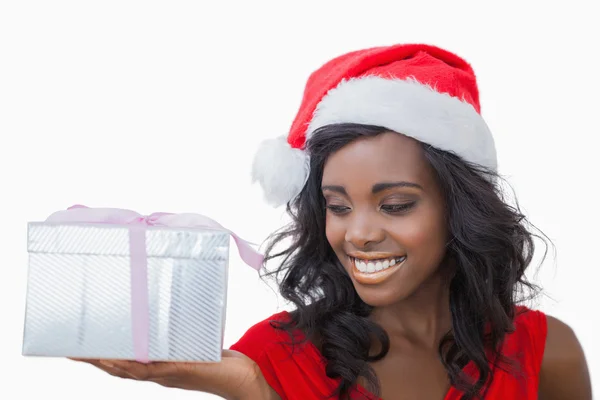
x=138, y=256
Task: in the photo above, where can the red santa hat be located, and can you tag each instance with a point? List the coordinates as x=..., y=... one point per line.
x=420, y=91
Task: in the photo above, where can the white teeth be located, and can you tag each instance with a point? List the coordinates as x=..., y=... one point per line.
x=370, y=267
x=362, y=267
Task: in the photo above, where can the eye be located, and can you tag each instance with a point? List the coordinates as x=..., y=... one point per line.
x=397, y=208
x=338, y=210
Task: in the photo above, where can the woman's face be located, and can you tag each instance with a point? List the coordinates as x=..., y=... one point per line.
x=385, y=216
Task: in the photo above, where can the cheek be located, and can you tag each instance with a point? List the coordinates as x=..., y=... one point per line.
x=335, y=233
x=423, y=234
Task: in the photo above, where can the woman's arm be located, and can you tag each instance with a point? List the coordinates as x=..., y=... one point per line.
x=564, y=374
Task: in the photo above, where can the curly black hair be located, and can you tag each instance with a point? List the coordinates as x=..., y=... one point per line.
x=491, y=246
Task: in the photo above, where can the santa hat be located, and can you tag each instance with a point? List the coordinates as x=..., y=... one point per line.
x=420, y=91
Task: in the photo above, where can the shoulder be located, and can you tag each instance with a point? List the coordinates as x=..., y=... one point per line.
x=290, y=364
x=528, y=339
x=549, y=349
x=263, y=336
x=564, y=372
x=262, y=343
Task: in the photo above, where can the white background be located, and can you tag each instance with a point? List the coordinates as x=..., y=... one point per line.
x=159, y=106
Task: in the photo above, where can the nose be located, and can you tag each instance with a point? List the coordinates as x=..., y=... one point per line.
x=363, y=231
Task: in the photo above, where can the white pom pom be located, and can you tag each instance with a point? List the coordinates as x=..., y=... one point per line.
x=281, y=170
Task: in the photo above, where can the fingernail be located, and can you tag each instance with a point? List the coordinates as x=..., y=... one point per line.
x=107, y=364
x=132, y=375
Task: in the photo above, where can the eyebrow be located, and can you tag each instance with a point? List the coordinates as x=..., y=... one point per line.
x=378, y=187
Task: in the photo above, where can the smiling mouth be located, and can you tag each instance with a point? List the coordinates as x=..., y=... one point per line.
x=371, y=266
x=374, y=271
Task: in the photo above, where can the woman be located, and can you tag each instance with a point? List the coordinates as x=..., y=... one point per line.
x=406, y=265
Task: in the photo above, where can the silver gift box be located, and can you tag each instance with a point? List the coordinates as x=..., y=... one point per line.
x=79, y=292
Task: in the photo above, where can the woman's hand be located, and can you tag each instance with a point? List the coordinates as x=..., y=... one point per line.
x=236, y=377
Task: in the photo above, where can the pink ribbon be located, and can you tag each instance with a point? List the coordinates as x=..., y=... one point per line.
x=138, y=257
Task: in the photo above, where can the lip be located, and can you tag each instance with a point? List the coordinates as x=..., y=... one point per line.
x=374, y=278
x=373, y=255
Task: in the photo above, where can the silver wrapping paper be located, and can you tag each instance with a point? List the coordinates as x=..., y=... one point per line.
x=79, y=292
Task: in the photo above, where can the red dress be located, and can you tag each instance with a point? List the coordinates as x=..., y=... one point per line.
x=301, y=374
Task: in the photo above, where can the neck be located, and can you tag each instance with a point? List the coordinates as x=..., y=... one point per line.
x=424, y=317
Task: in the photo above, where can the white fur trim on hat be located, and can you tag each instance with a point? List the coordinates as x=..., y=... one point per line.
x=281, y=170
x=412, y=109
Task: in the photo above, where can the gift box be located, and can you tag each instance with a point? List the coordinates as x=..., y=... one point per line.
x=113, y=284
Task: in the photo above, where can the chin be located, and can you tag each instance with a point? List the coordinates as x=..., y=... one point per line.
x=381, y=296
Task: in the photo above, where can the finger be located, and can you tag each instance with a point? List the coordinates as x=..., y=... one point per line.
x=110, y=369
x=129, y=369
x=145, y=372
x=165, y=373
x=168, y=371
x=83, y=360
x=132, y=369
